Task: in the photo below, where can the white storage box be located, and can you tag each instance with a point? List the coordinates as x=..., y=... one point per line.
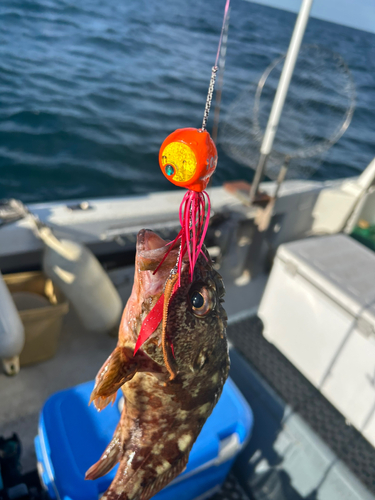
x=319, y=310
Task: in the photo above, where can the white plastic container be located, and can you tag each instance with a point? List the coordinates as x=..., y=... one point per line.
x=319, y=310
x=12, y=334
x=369, y=429
x=82, y=279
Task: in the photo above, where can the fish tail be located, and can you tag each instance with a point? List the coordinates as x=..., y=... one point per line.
x=164, y=479
x=142, y=483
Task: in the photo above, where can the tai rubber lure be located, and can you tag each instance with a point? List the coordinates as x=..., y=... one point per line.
x=187, y=158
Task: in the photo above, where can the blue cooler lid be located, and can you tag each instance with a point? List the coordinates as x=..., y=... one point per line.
x=72, y=437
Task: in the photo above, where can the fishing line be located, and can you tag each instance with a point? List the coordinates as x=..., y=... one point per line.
x=221, y=64
x=215, y=68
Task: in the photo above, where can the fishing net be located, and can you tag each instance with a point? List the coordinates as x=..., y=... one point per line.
x=318, y=109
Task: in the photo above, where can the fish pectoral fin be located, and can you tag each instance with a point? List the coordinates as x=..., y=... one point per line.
x=120, y=367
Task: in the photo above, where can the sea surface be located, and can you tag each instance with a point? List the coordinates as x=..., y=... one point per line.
x=89, y=89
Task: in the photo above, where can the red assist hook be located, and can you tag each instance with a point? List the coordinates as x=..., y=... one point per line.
x=188, y=158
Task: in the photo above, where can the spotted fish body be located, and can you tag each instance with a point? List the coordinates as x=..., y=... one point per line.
x=162, y=415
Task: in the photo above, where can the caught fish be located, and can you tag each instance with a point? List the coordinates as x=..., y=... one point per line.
x=173, y=381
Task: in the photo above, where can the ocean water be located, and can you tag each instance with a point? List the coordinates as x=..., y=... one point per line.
x=90, y=89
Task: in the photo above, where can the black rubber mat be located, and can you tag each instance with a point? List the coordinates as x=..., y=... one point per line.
x=344, y=440
x=231, y=490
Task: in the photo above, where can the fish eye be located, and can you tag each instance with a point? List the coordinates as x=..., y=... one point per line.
x=202, y=301
x=197, y=300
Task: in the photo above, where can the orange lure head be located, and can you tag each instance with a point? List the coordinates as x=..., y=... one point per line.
x=188, y=158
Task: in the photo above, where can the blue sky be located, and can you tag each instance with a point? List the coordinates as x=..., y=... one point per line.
x=358, y=14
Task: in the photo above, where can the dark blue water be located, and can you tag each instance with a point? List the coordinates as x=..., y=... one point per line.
x=90, y=88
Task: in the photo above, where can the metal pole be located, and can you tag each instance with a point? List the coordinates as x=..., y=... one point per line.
x=282, y=89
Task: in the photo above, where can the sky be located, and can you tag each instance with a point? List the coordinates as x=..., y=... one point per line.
x=359, y=14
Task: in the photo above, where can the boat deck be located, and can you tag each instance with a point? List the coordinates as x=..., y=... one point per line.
x=349, y=452
x=297, y=433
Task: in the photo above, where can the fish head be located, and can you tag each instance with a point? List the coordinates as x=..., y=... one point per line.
x=196, y=323
x=196, y=320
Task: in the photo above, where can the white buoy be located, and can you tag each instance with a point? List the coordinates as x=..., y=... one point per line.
x=12, y=333
x=82, y=279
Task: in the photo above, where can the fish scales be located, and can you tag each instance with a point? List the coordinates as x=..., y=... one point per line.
x=162, y=415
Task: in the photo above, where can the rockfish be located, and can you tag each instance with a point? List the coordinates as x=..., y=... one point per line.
x=174, y=380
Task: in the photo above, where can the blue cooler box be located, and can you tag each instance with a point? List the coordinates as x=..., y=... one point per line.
x=72, y=436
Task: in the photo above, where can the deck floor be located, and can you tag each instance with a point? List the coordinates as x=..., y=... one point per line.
x=347, y=444
x=81, y=354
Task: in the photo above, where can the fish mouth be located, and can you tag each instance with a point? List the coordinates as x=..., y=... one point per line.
x=151, y=249
x=147, y=241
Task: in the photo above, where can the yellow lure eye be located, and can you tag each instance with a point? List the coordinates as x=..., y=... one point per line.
x=182, y=158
